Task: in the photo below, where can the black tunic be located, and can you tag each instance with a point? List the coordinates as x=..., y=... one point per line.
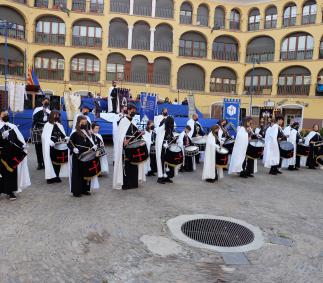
x=114, y=99
x=153, y=161
x=168, y=138
x=314, y=150
x=188, y=164
x=9, y=180
x=56, y=136
x=83, y=144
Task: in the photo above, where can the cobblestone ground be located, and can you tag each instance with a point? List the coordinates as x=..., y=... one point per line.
x=48, y=236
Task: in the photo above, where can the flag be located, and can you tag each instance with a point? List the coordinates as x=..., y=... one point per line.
x=32, y=80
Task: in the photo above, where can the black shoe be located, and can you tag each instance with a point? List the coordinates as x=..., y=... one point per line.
x=39, y=167
x=51, y=181
x=250, y=175
x=279, y=172
x=168, y=180
x=290, y=168
x=77, y=196
x=243, y=175
x=210, y=180
x=312, y=167
x=161, y=181
x=86, y=193
x=272, y=173
x=150, y=174
x=58, y=180
x=12, y=196
x=296, y=168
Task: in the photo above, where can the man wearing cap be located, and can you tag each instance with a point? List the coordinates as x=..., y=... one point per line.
x=126, y=175
x=85, y=110
x=40, y=118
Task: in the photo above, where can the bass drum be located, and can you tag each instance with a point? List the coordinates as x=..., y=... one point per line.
x=174, y=155
x=319, y=158
x=12, y=156
x=255, y=149
x=221, y=157
x=59, y=153
x=136, y=152
x=191, y=150
x=229, y=144
x=90, y=165
x=200, y=142
x=286, y=149
x=303, y=150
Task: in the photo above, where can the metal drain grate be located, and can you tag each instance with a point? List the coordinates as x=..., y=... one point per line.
x=218, y=232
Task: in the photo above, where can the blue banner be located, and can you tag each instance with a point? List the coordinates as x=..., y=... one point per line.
x=231, y=112
x=148, y=106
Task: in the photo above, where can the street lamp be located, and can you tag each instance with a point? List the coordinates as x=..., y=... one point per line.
x=254, y=62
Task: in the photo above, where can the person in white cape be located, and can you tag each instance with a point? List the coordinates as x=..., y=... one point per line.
x=184, y=141
x=126, y=175
x=292, y=137
x=116, y=119
x=98, y=139
x=211, y=172
x=196, y=131
x=271, y=156
x=160, y=118
x=85, y=110
x=239, y=161
x=54, y=132
x=13, y=177
x=150, y=139
x=311, y=139
x=113, y=99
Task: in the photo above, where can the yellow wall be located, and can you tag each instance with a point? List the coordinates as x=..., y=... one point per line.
x=314, y=105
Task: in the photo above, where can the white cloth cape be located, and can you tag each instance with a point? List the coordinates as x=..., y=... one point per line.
x=191, y=123
x=104, y=159
x=147, y=138
x=271, y=155
x=180, y=143
x=307, y=140
x=118, y=163
x=75, y=120
x=115, y=121
x=110, y=107
x=23, y=178
x=157, y=120
x=292, y=135
x=46, y=138
x=37, y=109
x=209, y=165
x=239, y=151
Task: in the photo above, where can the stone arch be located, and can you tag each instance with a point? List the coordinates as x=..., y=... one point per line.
x=163, y=38
x=191, y=77
x=141, y=36
x=118, y=33
x=161, y=71
x=223, y=79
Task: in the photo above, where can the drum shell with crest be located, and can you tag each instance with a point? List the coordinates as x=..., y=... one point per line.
x=255, y=149
x=200, y=142
x=303, y=150
x=89, y=164
x=286, y=149
x=35, y=135
x=221, y=157
x=136, y=152
x=12, y=156
x=229, y=144
x=59, y=153
x=174, y=155
x=191, y=150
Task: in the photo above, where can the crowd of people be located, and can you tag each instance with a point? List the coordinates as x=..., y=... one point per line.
x=155, y=150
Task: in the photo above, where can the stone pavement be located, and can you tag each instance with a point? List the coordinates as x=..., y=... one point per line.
x=121, y=236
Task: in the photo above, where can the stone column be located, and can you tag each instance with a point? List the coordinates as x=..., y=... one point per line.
x=130, y=29
x=153, y=8
x=131, y=7
x=152, y=39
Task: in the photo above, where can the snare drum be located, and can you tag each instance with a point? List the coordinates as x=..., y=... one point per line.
x=35, y=135
x=174, y=155
x=90, y=164
x=302, y=149
x=286, y=149
x=191, y=150
x=222, y=157
x=59, y=153
x=255, y=149
x=229, y=144
x=136, y=152
x=12, y=156
x=200, y=142
x=101, y=151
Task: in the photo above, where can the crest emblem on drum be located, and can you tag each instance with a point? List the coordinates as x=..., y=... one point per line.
x=231, y=110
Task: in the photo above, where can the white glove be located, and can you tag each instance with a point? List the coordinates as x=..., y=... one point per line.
x=67, y=139
x=45, y=118
x=165, y=145
x=95, y=147
x=51, y=143
x=5, y=135
x=24, y=146
x=76, y=150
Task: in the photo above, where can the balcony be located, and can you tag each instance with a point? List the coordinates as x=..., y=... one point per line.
x=86, y=41
x=49, y=74
x=192, y=52
x=97, y=8
x=258, y=90
x=293, y=90
x=260, y=57
x=192, y=85
x=289, y=22
x=270, y=24
x=185, y=19
x=308, y=19
x=253, y=26
x=46, y=38
x=59, y=4
x=142, y=10
x=219, y=24
x=163, y=46
x=234, y=25
x=115, y=76
x=222, y=87
x=84, y=76
x=15, y=68
x=41, y=3
x=140, y=44
x=296, y=55
x=167, y=13
x=224, y=56
x=17, y=32
x=118, y=43
x=79, y=6
x=118, y=7
x=202, y=20
x=160, y=79
x=143, y=78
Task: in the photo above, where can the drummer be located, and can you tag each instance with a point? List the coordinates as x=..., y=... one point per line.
x=81, y=141
x=54, y=133
x=184, y=141
x=196, y=130
x=150, y=139
x=223, y=133
x=312, y=139
x=293, y=137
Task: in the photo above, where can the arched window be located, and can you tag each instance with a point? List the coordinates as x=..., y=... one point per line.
x=235, y=20
x=15, y=61
x=120, y=6
x=79, y=5
x=141, y=36
x=59, y=4
x=219, y=19
x=164, y=38
x=298, y=46
x=202, y=15
x=254, y=20
x=294, y=81
x=192, y=44
x=142, y=7
x=118, y=33
x=49, y=65
x=290, y=13
x=191, y=77
x=97, y=6
x=50, y=29
x=115, y=67
x=271, y=17
x=139, y=69
x=186, y=13
x=15, y=22
x=260, y=49
x=225, y=48
x=258, y=81
x=223, y=80
x=309, y=12
x=85, y=67
x=165, y=9
x=161, y=72
x=87, y=33
x=41, y=3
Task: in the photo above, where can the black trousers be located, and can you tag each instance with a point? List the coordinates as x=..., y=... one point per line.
x=130, y=176
x=298, y=161
x=188, y=164
x=78, y=184
x=8, y=182
x=171, y=172
x=153, y=163
x=248, y=166
x=39, y=153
